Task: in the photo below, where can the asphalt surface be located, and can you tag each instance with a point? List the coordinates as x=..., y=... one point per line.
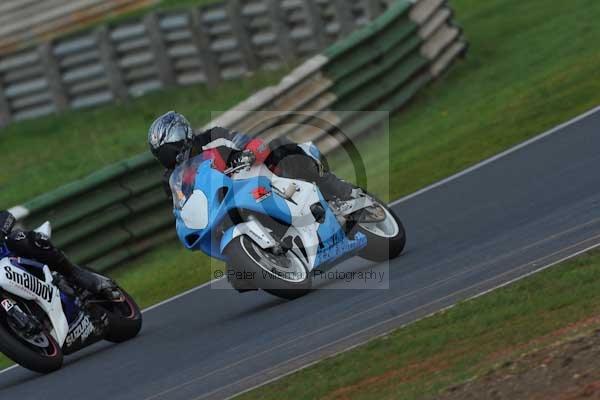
x=505, y=219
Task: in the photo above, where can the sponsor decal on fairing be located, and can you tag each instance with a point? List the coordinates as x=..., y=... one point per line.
x=30, y=283
x=82, y=329
x=7, y=304
x=261, y=193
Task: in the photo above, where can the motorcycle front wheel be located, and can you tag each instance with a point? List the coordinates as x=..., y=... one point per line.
x=282, y=275
x=37, y=352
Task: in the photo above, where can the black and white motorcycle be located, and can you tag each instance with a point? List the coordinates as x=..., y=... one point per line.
x=43, y=317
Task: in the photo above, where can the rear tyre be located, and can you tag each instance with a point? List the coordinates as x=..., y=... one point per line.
x=124, y=319
x=252, y=267
x=40, y=353
x=385, y=239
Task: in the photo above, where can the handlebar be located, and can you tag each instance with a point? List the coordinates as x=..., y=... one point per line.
x=232, y=170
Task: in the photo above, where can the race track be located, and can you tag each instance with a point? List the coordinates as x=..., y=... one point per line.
x=530, y=208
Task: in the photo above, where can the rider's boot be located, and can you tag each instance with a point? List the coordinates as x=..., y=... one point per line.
x=334, y=188
x=342, y=196
x=38, y=246
x=79, y=276
x=84, y=278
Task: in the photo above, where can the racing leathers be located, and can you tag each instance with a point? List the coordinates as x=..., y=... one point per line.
x=38, y=247
x=285, y=158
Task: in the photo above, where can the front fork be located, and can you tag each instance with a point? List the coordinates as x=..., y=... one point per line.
x=24, y=322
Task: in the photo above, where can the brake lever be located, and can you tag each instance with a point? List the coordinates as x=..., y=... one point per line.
x=237, y=168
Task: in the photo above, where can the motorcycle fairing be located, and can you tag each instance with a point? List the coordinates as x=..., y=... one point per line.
x=70, y=307
x=312, y=151
x=51, y=306
x=4, y=252
x=253, y=229
x=222, y=195
x=335, y=243
x=204, y=197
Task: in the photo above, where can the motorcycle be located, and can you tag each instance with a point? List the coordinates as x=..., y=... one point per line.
x=273, y=232
x=43, y=317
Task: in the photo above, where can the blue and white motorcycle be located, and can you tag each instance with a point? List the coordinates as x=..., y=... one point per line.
x=43, y=317
x=273, y=232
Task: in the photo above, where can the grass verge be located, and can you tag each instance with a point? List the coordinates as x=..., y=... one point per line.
x=43, y=154
x=531, y=66
x=468, y=340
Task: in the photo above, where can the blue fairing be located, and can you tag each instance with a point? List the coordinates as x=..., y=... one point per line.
x=335, y=242
x=70, y=307
x=311, y=150
x=224, y=195
x=4, y=252
x=227, y=238
x=314, y=152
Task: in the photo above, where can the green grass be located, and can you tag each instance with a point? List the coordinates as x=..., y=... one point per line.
x=164, y=273
x=531, y=65
x=450, y=347
x=43, y=154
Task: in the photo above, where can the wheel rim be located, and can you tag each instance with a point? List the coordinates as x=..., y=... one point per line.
x=42, y=343
x=287, y=267
x=387, y=228
x=123, y=307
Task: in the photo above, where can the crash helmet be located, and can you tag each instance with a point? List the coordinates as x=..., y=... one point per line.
x=170, y=139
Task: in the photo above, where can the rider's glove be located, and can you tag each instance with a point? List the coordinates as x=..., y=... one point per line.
x=244, y=158
x=7, y=223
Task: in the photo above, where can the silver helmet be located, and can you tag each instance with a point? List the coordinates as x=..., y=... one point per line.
x=170, y=139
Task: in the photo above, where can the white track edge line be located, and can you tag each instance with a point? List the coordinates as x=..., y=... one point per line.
x=180, y=295
x=9, y=368
x=363, y=342
x=497, y=156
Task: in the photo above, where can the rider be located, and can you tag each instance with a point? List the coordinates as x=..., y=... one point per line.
x=37, y=246
x=172, y=141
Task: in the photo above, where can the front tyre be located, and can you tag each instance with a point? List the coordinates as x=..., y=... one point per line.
x=39, y=353
x=284, y=275
x=386, y=238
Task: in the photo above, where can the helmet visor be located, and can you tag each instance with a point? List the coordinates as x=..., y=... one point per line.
x=177, y=132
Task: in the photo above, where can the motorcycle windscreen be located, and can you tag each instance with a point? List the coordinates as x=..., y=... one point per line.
x=183, y=181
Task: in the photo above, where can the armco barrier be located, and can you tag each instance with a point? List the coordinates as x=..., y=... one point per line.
x=23, y=22
x=198, y=44
x=121, y=211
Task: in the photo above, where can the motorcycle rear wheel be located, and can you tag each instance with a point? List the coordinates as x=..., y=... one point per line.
x=124, y=319
x=385, y=239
